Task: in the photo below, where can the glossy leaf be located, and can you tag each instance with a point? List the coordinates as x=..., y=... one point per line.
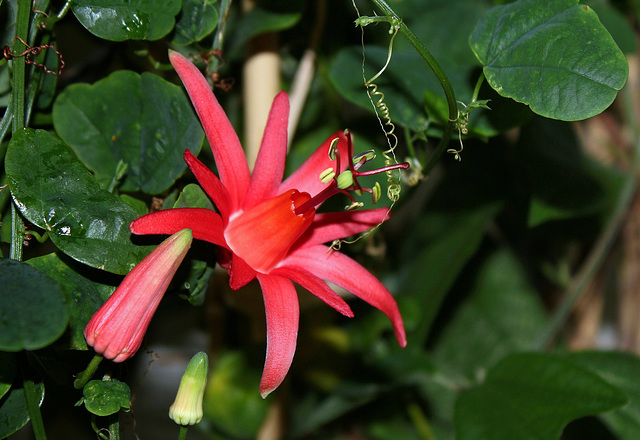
x=259, y=20
x=130, y=20
x=13, y=409
x=622, y=371
x=531, y=396
x=55, y=192
x=86, y=295
x=149, y=134
x=106, y=397
x=197, y=19
x=33, y=308
x=553, y=55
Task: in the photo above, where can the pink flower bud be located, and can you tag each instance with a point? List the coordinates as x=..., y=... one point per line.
x=117, y=328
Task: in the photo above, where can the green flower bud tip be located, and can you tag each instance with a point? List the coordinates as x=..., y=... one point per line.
x=187, y=408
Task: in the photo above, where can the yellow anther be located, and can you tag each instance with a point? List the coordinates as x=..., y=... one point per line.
x=345, y=179
x=376, y=192
x=354, y=206
x=333, y=148
x=368, y=156
x=327, y=175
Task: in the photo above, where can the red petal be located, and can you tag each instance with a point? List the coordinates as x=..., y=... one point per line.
x=205, y=224
x=345, y=272
x=336, y=225
x=283, y=312
x=227, y=151
x=316, y=286
x=210, y=184
x=269, y=168
x=240, y=273
x=307, y=177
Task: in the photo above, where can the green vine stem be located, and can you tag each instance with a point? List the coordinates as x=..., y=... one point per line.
x=442, y=77
x=183, y=433
x=33, y=408
x=84, y=376
x=604, y=242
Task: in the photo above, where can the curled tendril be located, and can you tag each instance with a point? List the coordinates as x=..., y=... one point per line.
x=32, y=52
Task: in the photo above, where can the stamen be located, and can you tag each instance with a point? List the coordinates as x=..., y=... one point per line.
x=327, y=175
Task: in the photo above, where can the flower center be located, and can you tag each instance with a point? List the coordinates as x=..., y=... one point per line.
x=262, y=235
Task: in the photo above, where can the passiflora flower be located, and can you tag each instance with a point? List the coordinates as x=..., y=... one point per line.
x=269, y=229
x=116, y=330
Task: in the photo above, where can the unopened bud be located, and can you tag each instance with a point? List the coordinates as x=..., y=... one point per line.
x=187, y=408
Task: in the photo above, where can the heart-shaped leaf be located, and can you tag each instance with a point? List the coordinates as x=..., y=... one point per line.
x=130, y=20
x=553, y=55
x=149, y=134
x=55, y=192
x=33, y=308
x=106, y=397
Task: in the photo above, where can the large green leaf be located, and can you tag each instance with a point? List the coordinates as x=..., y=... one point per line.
x=553, y=55
x=8, y=370
x=149, y=134
x=33, y=308
x=621, y=370
x=86, y=295
x=532, y=396
x=55, y=192
x=130, y=20
x=13, y=409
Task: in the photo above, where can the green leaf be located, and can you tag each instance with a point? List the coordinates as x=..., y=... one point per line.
x=198, y=19
x=86, y=295
x=621, y=370
x=33, y=308
x=149, y=134
x=616, y=23
x=130, y=20
x=501, y=315
x=532, y=396
x=106, y=397
x=55, y=192
x=8, y=370
x=553, y=55
x=13, y=409
x=446, y=241
x=192, y=196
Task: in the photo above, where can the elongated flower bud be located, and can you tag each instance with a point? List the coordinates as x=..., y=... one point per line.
x=187, y=408
x=116, y=330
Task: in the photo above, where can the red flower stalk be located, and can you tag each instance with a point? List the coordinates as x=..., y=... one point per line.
x=117, y=328
x=269, y=229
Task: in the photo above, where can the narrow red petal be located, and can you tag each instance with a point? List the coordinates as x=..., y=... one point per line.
x=316, y=286
x=282, y=312
x=210, y=184
x=227, y=150
x=307, y=177
x=337, y=225
x=240, y=273
x=345, y=272
x=269, y=169
x=205, y=224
